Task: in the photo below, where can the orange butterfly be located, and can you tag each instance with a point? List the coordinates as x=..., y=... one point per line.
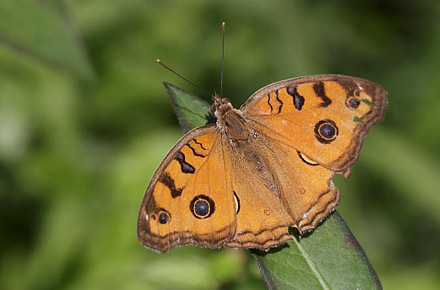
x=243, y=181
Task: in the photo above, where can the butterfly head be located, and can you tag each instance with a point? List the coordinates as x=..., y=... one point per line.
x=220, y=105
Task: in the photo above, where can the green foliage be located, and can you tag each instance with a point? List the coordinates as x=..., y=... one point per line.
x=191, y=111
x=84, y=121
x=42, y=30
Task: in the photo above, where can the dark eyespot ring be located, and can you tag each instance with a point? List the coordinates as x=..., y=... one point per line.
x=164, y=217
x=353, y=102
x=326, y=131
x=202, y=206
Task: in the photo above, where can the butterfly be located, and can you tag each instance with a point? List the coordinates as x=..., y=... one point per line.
x=244, y=180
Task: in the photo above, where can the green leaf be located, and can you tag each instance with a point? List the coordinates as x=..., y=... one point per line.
x=41, y=29
x=328, y=258
x=191, y=111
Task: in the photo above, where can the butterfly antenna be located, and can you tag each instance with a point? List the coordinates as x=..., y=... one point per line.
x=180, y=76
x=223, y=59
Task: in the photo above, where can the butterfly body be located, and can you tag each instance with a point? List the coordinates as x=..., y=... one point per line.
x=243, y=181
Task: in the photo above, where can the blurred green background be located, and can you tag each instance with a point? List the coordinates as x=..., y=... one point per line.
x=85, y=120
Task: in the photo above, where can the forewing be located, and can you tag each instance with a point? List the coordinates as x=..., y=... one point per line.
x=186, y=200
x=323, y=117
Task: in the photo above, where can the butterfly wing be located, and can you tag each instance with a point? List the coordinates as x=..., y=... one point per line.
x=186, y=200
x=306, y=129
x=324, y=117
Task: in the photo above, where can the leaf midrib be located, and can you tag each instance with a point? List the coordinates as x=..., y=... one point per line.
x=312, y=265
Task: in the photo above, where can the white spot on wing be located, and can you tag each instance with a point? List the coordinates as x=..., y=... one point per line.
x=307, y=159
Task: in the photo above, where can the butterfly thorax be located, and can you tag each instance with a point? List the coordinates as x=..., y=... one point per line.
x=229, y=120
